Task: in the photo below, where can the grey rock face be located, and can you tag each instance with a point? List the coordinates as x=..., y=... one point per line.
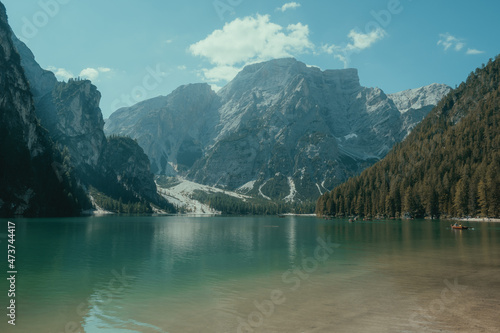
x=69, y=111
x=16, y=101
x=79, y=124
x=279, y=129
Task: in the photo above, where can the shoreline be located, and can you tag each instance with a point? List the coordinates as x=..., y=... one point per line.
x=475, y=219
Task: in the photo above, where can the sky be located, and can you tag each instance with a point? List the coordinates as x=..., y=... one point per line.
x=134, y=50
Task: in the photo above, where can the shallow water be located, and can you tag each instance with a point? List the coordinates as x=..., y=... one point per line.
x=252, y=274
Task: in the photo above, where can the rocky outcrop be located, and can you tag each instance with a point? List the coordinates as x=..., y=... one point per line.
x=79, y=123
x=279, y=129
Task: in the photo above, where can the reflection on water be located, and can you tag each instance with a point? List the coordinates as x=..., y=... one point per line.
x=193, y=274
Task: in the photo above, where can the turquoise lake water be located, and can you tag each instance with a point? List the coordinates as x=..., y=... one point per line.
x=251, y=274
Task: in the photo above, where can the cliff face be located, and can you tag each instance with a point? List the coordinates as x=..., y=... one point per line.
x=279, y=129
x=17, y=102
x=79, y=123
x=31, y=183
x=69, y=111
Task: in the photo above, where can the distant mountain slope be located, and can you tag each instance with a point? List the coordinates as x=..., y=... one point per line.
x=278, y=130
x=172, y=130
x=415, y=104
x=449, y=165
x=34, y=179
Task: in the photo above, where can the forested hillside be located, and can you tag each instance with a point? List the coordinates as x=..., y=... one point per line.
x=448, y=166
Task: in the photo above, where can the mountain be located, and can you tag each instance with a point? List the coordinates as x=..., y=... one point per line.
x=131, y=166
x=448, y=166
x=111, y=169
x=279, y=130
x=34, y=179
x=172, y=130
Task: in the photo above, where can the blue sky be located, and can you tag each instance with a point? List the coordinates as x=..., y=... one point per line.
x=138, y=49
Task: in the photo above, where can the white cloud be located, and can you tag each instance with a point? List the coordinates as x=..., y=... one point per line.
x=474, y=52
x=358, y=42
x=220, y=73
x=290, y=5
x=361, y=41
x=92, y=73
x=449, y=41
x=181, y=67
x=89, y=73
x=61, y=73
x=215, y=87
x=249, y=40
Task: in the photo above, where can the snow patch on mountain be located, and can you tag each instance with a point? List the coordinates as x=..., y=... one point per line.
x=247, y=186
x=350, y=136
x=181, y=195
x=293, y=190
x=262, y=194
x=319, y=189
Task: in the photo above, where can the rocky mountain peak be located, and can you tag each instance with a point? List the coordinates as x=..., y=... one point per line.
x=283, y=74
x=420, y=97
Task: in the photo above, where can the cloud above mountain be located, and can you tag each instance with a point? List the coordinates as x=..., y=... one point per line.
x=89, y=73
x=358, y=41
x=249, y=40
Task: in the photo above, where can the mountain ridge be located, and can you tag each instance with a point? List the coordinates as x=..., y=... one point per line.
x=279, y=124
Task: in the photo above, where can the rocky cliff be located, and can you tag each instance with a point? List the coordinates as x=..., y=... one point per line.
x=68, y=110
x=79, y=123
x=33, y=179
x=279, y=129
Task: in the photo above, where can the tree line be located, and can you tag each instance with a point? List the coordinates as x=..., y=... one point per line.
x=230, y=205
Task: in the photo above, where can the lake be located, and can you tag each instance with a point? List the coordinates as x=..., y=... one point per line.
x=251, y=274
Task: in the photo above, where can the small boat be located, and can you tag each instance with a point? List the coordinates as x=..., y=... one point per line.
x=461, y=227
